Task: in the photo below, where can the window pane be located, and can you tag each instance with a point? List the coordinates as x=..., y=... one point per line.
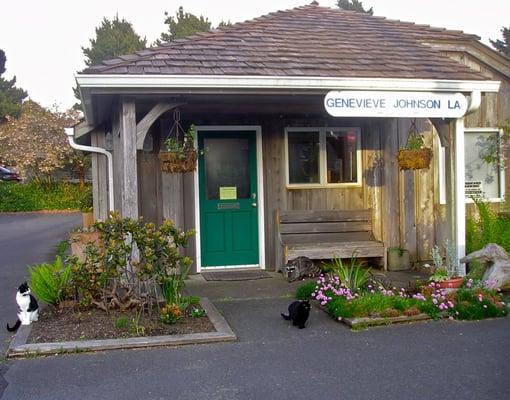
x=227, y=164
x=303, y=157
x=481, y=178
x=341, y=156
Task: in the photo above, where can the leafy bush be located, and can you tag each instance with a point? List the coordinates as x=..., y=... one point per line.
x=134, y=261
x=478, y=304
x=304, y=292
x=353, y=276
x=34, y=197
x=51, y=283
x=488, y=227
x=369, y=304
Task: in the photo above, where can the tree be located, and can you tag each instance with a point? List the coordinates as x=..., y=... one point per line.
x=503, y=46
x=184, y=24
x=354, y=5
x=11, y=97
x=36, y=143
x=113, y=38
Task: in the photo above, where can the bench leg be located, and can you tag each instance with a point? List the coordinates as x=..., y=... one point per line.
x=385, y=259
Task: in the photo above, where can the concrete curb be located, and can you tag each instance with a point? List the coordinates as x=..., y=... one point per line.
x=366, y=322
x=19, y=347
x=65, y=211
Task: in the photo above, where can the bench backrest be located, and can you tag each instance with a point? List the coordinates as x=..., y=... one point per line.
x=325, y=226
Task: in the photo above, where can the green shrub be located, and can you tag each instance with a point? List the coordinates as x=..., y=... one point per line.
x=51, y=283
x=368, y=304
x=33, y=196
x=489, y=227
x=478, y=304
x=122, y=322
x=353, y=276
x=304, y=292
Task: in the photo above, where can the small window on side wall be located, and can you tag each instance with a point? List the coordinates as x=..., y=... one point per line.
x=323, y=157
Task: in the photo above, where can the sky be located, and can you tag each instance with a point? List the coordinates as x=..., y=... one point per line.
x=42, y=39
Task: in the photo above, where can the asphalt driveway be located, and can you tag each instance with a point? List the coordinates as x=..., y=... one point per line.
x=271, y=360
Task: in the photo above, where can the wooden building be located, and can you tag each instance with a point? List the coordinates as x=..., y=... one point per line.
x=267, y=145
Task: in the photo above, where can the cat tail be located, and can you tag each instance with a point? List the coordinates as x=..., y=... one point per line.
x=15, y=327
x=287, y=317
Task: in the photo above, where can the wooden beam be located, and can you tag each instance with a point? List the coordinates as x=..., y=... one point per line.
x=129, y=178
x=144, y=125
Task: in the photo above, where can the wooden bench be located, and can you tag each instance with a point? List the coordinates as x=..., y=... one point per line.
x=321, y=235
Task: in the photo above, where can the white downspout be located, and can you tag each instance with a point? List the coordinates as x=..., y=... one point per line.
x=99, y=150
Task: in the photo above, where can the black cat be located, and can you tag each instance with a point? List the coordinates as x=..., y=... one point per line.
x=299, y=311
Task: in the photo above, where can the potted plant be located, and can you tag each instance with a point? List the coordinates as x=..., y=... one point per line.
x=179, y=156
x=398, y=259
x=86, y=208
x=415, y=155
x=446, y=273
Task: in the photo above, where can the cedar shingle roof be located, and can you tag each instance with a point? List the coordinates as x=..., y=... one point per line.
x=305, y=41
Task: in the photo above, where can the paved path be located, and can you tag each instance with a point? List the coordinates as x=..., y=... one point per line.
x=273, y=360
x=25, y=239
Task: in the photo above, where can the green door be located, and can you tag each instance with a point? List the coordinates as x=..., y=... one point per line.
x=227, y=171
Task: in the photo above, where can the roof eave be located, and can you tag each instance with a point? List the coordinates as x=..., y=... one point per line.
x=88, y=82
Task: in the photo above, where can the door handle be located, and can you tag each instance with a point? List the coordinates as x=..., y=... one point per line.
x=254, y=205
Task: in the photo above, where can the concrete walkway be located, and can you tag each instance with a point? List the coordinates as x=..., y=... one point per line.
x=25, y=238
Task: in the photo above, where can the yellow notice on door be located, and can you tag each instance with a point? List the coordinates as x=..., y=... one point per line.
x=228, y=193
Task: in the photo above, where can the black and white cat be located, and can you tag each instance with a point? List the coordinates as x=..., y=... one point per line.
x=299, y=268
x=28, y=307
x=299, y=311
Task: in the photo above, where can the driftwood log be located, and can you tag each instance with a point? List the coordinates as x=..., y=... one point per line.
x=497, y=261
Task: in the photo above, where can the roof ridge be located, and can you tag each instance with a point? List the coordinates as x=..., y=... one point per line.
x=196, y=36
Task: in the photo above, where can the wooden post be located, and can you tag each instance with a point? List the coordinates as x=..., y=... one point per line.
x=99, y=176
x=128, y=173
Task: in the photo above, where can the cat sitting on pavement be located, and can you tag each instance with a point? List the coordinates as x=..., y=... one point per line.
x=28, y=307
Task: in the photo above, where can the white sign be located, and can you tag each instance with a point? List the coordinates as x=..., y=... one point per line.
x=395, y=104
x=473, y=189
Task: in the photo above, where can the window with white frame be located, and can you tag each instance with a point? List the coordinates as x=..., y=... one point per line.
x=482, y=179
x=318, y=157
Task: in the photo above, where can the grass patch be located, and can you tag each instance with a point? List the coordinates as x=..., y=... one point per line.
x=34, y=197
x=371, y=305
x=304, y=292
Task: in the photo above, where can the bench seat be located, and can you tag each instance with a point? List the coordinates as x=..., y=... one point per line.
x=323, y=235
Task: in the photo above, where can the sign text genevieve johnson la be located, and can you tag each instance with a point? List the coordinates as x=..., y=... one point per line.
x=395, y=104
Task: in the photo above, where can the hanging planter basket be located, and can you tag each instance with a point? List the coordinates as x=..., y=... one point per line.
x=180, y=154
x=174, y=162
x=414, y=158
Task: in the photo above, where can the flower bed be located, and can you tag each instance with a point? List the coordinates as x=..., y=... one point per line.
x=62, y=325
x=476, y=300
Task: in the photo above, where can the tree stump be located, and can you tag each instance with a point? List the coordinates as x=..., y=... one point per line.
x=497, y=261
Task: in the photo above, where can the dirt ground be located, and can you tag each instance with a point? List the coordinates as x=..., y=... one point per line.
x=59, y=325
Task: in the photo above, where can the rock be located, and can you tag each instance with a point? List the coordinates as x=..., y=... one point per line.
x=497, y=261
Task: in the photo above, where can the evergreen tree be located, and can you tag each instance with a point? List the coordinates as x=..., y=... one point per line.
x=184, y=24
x=11, y=97
x=113, y=38
x=503, y=46
x=354, y=5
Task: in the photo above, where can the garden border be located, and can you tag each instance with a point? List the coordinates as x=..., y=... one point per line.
x=361, y=322
x=20, y=348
